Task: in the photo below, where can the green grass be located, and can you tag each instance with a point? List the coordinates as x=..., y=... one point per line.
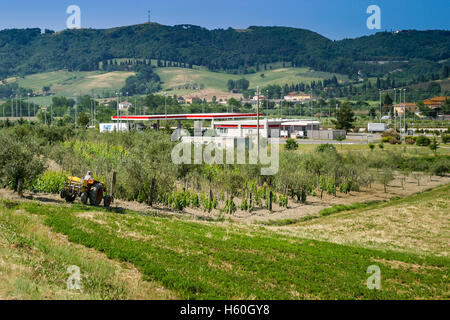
x=203, y=260
x=174, y=77
x=34, y=262
x=72, y=84
x=417, y=224
x=346, y=207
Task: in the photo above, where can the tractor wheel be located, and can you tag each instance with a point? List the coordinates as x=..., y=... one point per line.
x=70, y=198
x=107, y=201
x=63, y=193
x=84, y=198
x=96, y=194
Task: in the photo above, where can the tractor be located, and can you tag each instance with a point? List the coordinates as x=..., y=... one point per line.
x=91, y=191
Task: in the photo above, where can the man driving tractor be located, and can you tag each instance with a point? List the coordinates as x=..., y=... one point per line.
x=88, y=176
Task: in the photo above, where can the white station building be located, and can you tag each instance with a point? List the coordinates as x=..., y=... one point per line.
x=267, y=127
x=233, y=125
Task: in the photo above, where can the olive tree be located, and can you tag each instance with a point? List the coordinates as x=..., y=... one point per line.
x=20, y=161
x=148, y=168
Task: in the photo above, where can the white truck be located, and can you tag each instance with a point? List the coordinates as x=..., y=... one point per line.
x=377, y=127
x=111, y=127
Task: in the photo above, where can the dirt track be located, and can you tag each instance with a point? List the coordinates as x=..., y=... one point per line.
x=295, y=210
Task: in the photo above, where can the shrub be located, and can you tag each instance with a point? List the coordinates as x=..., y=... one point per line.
x=394, y=140
x=410, y=141
x=50, y=182
x=423, y=141
x=391, y=133
x=440, y=167
x=326, y=147
x=291, y=144
x=445, y=138
x=244, y=205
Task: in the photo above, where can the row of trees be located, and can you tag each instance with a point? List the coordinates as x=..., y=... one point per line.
x=147, y=174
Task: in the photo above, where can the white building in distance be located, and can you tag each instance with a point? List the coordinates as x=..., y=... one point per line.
x=124, y=105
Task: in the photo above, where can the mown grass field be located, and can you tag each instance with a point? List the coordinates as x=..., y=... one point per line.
x=219, y=260
x=418, y=224
x=174, y=77
x=72, y=84
x=34, y=262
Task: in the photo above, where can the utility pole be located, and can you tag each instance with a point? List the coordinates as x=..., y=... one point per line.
x=148, y=16
x=380, y=105
x=395, y=102
x=311, y=114
x=28, y=101
x=404, y=115
x=165, y=107
x=117, y=94
x=267, y=104
x=257, y=121
x=281, y=107
x=76, y=121
x=95, y=112
x=12, y=106
x=127, y=110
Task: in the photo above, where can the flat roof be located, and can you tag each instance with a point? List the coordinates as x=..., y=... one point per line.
x=271, y=122
x=188, y=116
x=300, y=123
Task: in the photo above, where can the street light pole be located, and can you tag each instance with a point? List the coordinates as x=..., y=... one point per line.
x=257, y=121
x=380, y=105
x=28, y=102
x=281, y=107
x=395, y=102
x=165, y=107
x=404, y=115
x=117, y=95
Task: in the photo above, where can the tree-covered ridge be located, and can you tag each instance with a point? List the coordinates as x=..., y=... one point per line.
x=25, y=51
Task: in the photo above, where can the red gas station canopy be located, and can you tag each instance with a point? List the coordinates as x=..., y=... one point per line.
x=189, y=116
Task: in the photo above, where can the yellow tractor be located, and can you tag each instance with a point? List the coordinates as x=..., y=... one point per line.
x=88, y=190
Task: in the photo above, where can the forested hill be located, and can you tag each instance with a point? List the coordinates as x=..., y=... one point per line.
x=24, y=51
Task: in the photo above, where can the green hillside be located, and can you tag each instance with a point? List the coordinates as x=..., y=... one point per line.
x=73, y=84
x=27, y=51
x=173, y=78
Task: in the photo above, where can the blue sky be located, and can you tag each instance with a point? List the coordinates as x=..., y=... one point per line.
x=335, y=19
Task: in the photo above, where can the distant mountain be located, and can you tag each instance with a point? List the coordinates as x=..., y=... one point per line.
x=24, y=51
